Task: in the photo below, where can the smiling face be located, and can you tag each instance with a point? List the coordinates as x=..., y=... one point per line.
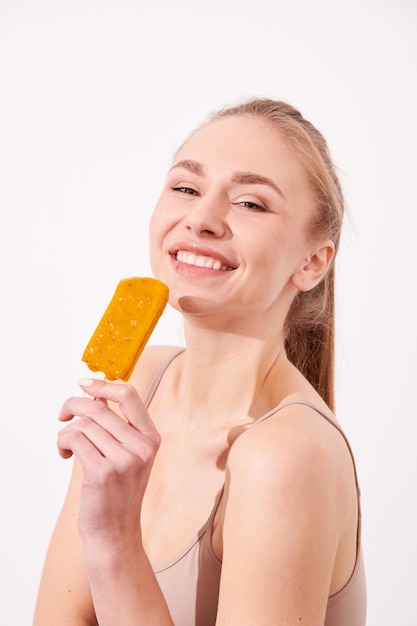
x=228, y=233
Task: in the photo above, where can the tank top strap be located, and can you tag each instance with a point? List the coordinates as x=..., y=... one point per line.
x=158, y=375
x=327, y=416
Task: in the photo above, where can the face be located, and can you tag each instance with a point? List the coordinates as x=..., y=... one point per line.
x=228, y=232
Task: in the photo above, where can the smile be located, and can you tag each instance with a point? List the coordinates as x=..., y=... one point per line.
x=201, y=261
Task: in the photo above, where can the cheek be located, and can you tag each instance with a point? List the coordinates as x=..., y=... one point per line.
x=158, y=227
x=271, y=256
x=155, y=240
x=163, y=218
x=261, y=246
x=153, y=228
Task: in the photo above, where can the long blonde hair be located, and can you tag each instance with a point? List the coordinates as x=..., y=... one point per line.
x=309, y=327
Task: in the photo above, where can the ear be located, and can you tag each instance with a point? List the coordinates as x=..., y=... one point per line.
x=314, y=267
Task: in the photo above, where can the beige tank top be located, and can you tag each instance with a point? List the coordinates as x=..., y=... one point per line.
x=190, y=580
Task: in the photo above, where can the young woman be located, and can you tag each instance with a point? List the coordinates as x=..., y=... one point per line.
x=228, y=494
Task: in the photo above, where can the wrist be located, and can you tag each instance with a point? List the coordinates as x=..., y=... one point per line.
x=123, y=585
x=112, y=555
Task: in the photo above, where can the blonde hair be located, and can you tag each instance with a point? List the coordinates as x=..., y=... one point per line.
x=309, y=327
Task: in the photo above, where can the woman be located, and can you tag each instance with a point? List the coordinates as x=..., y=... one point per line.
x=228, y=495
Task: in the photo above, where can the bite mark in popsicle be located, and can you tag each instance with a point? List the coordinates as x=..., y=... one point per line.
x=124, y=329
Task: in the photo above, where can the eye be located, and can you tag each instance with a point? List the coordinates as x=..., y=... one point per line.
x=186, y=190
x=250, y=205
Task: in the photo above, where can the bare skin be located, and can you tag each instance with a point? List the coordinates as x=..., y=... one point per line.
x=142, y=486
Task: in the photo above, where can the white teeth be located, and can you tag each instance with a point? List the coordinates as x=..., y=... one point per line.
x=200, y=261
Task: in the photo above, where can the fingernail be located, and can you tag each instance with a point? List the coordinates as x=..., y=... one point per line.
x=85, y=382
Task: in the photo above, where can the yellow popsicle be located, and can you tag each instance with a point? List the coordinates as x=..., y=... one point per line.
x=124, y=329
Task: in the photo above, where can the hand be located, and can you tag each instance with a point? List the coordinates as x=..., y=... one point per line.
x=116, y=453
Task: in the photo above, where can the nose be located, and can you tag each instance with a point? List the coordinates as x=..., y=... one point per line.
x=208, y=217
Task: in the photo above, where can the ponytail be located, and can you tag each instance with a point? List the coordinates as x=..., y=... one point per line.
x=309, y=341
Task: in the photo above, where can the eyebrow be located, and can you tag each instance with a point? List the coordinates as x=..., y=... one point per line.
x=192, y=166
x=243, y=178
x=249, y=178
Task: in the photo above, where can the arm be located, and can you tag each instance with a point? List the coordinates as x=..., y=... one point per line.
x=100, y=523
x=285, y=505
x=64, y=596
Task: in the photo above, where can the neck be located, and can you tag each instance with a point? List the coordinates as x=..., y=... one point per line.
x=227, y=373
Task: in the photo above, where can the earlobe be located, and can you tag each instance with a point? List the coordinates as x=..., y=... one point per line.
x=313, y=268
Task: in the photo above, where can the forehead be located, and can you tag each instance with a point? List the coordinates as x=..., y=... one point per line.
x=247, y=143
x=235, y=133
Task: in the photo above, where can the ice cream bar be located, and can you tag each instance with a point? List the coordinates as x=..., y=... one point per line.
x=124, y=329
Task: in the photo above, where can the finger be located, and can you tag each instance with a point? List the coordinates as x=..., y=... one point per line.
x=85, y=434
x=91, y=443
x=101, y=413
x=104, y=428
x=69, y=409
x=73, y=441
x=125, y=396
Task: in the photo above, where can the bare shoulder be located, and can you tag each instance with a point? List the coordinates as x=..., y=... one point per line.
x=148, y=364
x=296, y=443
x=294, y=462
x=289, y=504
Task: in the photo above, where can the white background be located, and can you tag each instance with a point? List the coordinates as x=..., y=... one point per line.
x=94, y=98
